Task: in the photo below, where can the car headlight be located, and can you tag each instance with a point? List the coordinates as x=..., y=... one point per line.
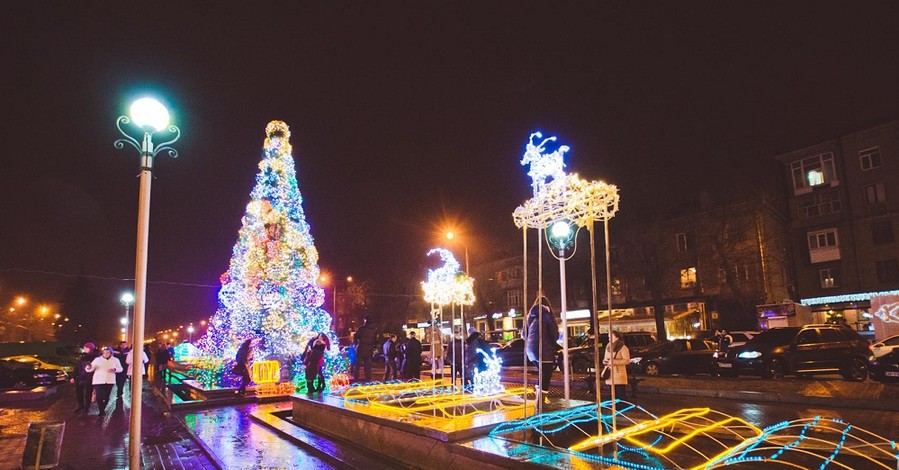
x=636, y=360
x=749, y=355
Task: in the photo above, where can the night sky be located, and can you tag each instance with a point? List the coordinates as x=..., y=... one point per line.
x=403, y=116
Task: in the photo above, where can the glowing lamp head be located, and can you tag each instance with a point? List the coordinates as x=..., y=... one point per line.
x=127, y=298
x=450, y=235
x=149, y=113
x=560, y=229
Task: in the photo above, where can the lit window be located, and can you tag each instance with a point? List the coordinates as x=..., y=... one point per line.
x=813, y=171
x=828, y=277
x=869, y=159
x=688, y=277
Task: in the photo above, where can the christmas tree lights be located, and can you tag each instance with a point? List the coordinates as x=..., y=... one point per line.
x=270, y=291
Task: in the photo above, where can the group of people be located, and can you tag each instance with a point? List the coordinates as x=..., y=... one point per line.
x=402, y=359
x=99, y=370
x=542, y=336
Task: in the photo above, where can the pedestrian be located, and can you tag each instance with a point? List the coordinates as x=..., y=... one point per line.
x=147, y=354
x=129, y=359
x=162, y=362
x=389, y=350
x=543, y=332
x=105, y=367
x=616, y=358
x=365, y=341
x=242, y=365
x=723, y=340
x=314, y=362
x=437, y=352
x=454, y=356
x=400, y=349
x=473, y=359
x=82, y=378
x=119, y=353
x=412, y=369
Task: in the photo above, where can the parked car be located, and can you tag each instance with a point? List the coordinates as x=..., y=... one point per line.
x=426, y=353
x=741, y=337
x=679, y=356
x=811, y=349
x=885, y=346
x=581, y=357
x=512, y=353
x=27, y=375
x=42, y=363
x=885, y=368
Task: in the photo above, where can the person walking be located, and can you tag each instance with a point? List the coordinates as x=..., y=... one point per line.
x=543, y=332
x=129, y=359
x=119, y=353
x=314, y=362
x=82, y=378
x=473, y=359
x=616, y=358
x=365, y=339
x=162, y=362
x=437, y=353
x=243, y=361
x=389, y=350
x=412, y=370
x=105, y=367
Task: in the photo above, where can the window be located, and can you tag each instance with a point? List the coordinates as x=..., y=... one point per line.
x=807, y=337
x=617, y=288
x=740, y=273
x=830, y=335
x=688, y=277
x=820, y=203
x=882, y=232
x=888, y=270
x=875, y=194
x=513, y=298
x=829, y=278
x=682, y=245
x=823, y=239
x=869, y=159
x=813, y=171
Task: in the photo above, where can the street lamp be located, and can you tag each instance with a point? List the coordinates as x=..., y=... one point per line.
x=561, y=237
x=151, y=117
x=190, y=333
x=127, y=300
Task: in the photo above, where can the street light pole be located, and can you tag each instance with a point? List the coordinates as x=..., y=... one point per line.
x=152, y=117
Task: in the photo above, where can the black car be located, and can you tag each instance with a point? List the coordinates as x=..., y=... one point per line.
x=581, y=357
x=19, y=375
x=811, y=349
x=886, y=368
x=680, y=356
x=512, y=353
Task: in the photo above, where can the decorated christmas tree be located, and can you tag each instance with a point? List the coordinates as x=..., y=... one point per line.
x=270, y=292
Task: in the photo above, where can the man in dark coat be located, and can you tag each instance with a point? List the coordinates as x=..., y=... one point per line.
x=364, y=342
x=413, y=358
x=389, y=350
x=120, y=353
x=83, y=379
x=543, y=332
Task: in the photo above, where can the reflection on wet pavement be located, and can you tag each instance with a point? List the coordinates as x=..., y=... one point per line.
x=238, y=442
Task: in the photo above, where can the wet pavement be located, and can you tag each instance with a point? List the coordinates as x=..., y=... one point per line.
x=91, y=441
x=239, y=442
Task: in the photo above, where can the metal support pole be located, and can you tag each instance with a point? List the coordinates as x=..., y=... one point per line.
x=140, y=299
x=540, y=396
x=563, y=312
x=609, y=298
x=524, y=329
x=597, y=361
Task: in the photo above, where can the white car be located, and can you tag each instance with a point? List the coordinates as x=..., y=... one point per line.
x=885, y=346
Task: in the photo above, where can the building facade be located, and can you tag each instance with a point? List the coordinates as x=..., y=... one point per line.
x=843, y=198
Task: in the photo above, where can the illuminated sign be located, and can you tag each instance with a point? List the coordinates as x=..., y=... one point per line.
x=266, y=371
x=576, y=314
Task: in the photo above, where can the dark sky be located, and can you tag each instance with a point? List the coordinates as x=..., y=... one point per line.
x=402, y=115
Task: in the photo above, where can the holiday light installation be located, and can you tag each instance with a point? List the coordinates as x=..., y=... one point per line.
x=487, y=382
x=567, y=198
x=701, y=438
x=447, y=285
x=271, y=290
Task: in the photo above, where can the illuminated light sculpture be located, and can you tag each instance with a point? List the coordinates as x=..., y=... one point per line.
x=565, y=198
x=702, y=438
x=266, y=371
x=271, y=290
x=888, y=313
x=488, y=382
x=447, y=285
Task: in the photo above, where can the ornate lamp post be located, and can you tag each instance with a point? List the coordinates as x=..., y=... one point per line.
x=562, y=236
x=150, y=117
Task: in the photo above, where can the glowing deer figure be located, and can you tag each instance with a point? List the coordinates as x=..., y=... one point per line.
x=543, y=165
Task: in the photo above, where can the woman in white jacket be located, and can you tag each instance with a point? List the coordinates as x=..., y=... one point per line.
x=129, y=359
x=104, y=367
x=617, y=357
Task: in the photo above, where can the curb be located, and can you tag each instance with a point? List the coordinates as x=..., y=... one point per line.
x=752, y=396
x=181, y=423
